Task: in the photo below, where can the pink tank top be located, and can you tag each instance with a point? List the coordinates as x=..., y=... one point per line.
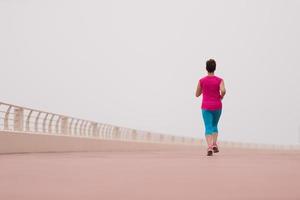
x=210, y=86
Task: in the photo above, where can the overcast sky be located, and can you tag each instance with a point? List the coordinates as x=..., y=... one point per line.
x=136, y=63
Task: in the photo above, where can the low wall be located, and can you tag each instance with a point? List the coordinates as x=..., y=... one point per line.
x=11, y=142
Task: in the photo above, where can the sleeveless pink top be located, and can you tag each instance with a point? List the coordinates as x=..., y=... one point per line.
x=210, y=86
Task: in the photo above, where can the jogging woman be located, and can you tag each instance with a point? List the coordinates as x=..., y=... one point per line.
x=213, y=90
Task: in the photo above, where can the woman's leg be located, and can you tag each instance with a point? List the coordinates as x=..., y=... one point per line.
x=209, y=140
x=208, y=122
x=215, y=138
x=216, y=118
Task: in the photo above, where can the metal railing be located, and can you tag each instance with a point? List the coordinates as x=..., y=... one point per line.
x=15, y=118
x=20, y=119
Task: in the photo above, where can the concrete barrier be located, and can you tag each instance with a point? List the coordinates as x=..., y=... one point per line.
x=11, y=142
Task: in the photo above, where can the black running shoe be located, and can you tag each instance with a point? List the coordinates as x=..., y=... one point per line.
x=215, y=149
x=209, y=152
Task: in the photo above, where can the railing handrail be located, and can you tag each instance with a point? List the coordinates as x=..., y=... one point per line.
x=41, y=111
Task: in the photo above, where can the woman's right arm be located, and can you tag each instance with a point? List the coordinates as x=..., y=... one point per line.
x=199, y=90
x=222, y=89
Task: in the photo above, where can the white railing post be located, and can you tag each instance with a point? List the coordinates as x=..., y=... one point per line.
x=70, y=127
x=18, y=119
x=116, y=133
x=44, y=122
x=75, y=127
x=6, y=118
x=50, y=124
x=99, y=131
x=64, y=126
x=94, y=129
x=84, y=128
x=36, y=123
x=81, y=128
x=28, y=121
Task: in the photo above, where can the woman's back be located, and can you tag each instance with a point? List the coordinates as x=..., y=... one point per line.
x=213, y=90
x=210, y=86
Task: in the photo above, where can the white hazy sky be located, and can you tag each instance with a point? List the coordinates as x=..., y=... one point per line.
x=136, y=63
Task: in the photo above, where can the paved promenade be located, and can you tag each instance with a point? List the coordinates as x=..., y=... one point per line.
x=178, y=174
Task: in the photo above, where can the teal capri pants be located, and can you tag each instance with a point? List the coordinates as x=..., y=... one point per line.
x=211, y=119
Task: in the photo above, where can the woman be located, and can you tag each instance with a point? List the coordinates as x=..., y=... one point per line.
x=213, y=90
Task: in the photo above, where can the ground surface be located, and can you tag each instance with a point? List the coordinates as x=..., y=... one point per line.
x=144, y=175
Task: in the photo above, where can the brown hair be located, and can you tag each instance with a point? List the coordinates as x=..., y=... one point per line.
x=210, y=65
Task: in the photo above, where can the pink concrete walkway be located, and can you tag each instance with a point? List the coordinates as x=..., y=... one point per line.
x=151, y=175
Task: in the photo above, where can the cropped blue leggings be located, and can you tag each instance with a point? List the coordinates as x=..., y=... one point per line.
x=211, y=119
